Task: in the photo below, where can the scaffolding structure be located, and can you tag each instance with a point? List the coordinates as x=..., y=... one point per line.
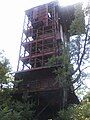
x=45, y=30
x=42, y=33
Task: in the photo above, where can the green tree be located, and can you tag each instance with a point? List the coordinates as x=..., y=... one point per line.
x=77, y=26
x=76, y=112
x=4, y=69
x=12, y=109
x=75, y=55
x=87, y=97
x=79, y=46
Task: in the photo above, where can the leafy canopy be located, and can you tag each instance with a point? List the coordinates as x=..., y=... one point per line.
x=4, y=68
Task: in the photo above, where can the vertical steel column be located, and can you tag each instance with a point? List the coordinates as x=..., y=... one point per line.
x=21, y=44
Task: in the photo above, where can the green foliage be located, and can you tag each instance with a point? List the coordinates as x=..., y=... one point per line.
x=78, y=24
x=9, y=115
x=64, y=67
x=5, y=97
x=62, y=72
x=11, y=109
x=74, y=54
x=76, y=112
x=52, y=61
x=4, y=68
x=87, y=97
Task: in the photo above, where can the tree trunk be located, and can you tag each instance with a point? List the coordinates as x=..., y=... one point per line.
x=64, y=97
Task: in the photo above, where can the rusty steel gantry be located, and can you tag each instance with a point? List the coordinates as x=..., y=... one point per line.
x=45, y=29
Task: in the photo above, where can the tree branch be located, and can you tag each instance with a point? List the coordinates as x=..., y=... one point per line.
x=82, y=56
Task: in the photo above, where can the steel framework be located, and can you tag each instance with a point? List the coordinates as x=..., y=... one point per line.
x=45, y=29
x=42, y=33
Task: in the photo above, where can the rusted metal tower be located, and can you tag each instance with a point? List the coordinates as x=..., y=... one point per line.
x=45, y=28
